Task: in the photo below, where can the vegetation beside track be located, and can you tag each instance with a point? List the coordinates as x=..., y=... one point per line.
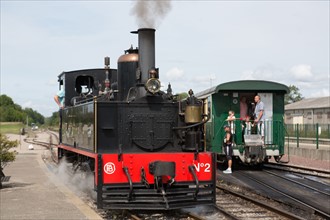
x=11, y=127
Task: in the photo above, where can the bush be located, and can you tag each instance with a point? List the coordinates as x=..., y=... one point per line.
x=6, y=155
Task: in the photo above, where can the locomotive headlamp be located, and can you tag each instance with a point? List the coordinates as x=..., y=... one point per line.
x=152, y=85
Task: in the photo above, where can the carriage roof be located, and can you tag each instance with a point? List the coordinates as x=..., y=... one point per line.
x=245, y=85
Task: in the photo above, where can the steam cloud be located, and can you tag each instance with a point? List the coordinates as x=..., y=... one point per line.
x=150, y=13
x=81, y=183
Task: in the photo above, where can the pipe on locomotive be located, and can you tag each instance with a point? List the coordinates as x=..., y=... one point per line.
x=148, y=73
x=194, y=125
x=107, y=68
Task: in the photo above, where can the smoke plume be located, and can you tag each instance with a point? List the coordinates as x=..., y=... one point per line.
x=149, y=14
x=82, y=183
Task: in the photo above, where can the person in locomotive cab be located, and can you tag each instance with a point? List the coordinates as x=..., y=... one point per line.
x=228, y=147
x=259, y=115
x=59, y=99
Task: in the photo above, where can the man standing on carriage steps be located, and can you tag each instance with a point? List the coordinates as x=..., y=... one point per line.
x=228, y=147
x=259, y=116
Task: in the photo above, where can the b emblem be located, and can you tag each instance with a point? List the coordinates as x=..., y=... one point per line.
x=109, y=168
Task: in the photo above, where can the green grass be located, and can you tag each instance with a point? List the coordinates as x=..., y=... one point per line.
x=11, y=127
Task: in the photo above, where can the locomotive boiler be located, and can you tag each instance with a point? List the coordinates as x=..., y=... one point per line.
x=144, y=147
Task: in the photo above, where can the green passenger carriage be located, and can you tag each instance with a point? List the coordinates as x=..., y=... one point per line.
x=249, y=146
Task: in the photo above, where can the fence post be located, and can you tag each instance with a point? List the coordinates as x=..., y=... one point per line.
x=297, y=135
x=317, y=135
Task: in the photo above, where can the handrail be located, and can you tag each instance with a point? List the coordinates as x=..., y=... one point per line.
x=237, y=127
x=308, y=139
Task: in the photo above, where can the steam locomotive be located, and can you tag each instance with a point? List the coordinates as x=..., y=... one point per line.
x=144, y=146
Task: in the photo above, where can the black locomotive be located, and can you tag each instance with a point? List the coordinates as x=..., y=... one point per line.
x=144, y=147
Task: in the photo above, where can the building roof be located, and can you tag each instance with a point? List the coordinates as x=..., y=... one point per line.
x=310, y=103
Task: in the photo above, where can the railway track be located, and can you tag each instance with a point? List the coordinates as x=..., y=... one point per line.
x=151, y=215
x=230, y=204
x=292, y=191
x=53, y=138
x=298, y=169
x=311, y=184
x=239, y=206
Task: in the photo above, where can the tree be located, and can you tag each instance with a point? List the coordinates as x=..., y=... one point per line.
x=34, y=116
x=12, y=112
x=5, y=100
x=53, y=120
x=6, y=155
x=293, y=96
x=182, y=96
x=9, y=113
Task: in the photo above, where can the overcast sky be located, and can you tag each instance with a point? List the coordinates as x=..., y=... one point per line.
x=199, y=44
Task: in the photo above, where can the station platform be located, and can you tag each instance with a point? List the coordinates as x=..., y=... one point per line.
x=34, y=192
x=309, y=151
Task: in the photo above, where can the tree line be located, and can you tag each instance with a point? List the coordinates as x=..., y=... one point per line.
x=12, y=112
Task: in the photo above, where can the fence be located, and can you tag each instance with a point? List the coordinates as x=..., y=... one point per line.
x=315, y=133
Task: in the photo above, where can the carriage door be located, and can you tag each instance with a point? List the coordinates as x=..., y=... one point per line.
x=267, y=99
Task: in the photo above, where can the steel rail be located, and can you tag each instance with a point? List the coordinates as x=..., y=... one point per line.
x=219, y=209
x=316, y=210
x=268, y=207
x=295, y=168
x=193, y=215
x=298, y=183
x=44, y=144
x=228, y=214
x=133, y=216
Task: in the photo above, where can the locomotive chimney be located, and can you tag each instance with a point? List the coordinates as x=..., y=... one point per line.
x=146, y=38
